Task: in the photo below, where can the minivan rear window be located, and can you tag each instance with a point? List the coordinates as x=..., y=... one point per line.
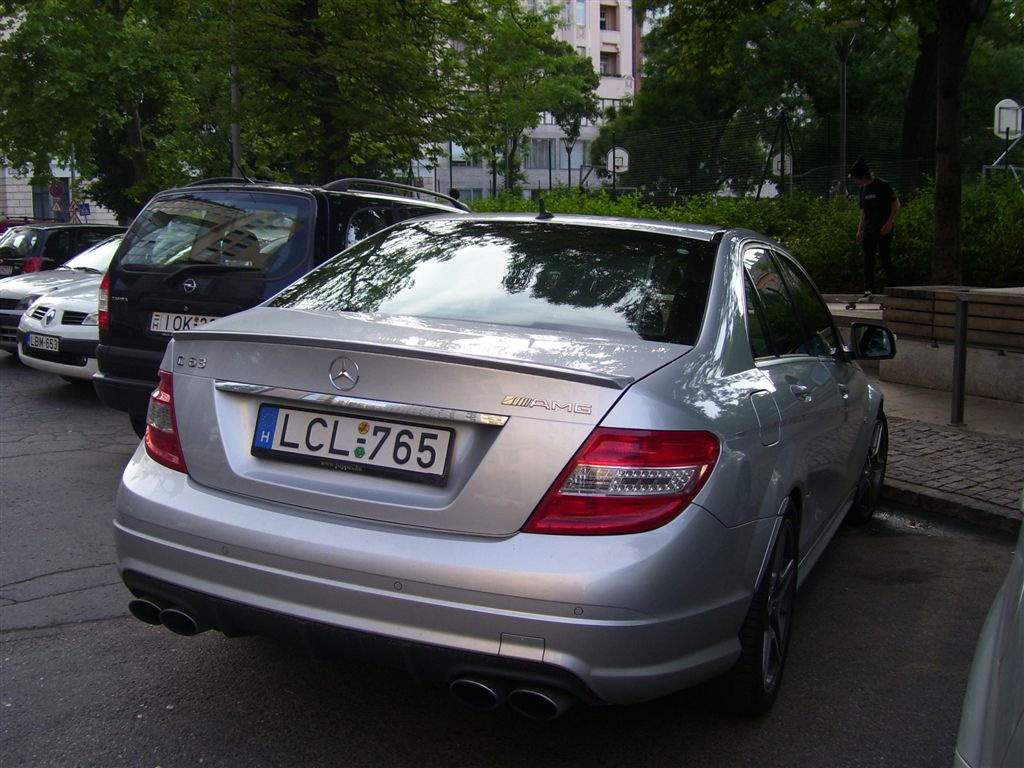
x=250, y=231
x=578, y=278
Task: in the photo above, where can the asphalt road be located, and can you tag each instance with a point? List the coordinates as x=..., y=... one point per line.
x=885, y=631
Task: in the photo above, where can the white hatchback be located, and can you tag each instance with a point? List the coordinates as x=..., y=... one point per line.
x=58, y=333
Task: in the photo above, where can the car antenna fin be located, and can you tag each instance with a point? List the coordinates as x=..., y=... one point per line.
x=544, y=214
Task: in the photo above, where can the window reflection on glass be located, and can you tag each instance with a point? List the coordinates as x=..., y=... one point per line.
x=599, y=280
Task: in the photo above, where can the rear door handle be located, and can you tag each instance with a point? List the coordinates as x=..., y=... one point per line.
x=800, y=392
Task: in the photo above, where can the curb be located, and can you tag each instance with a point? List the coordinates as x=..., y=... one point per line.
x=952, y=505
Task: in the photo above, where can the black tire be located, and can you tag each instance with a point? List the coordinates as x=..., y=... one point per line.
x=751, y=686
x=872, y=476
x=138, y=424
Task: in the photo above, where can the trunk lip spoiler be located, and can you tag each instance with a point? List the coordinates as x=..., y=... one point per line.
x=610, y=381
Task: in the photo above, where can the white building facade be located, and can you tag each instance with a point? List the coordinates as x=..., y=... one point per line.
x=602, y=30
x=59, y=201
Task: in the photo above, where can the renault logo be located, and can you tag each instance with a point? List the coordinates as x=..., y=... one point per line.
x=50, y=316
x=344, y=374
x=190, y=285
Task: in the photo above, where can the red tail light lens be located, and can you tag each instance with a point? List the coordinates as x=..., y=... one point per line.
x=32, y=264
x=626, y=481
x=104, y=306
x=162, y=442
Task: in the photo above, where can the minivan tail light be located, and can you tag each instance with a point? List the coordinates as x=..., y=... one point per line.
x=32, y=264
x=162, y=443
x=104, y=305
x=626, y=481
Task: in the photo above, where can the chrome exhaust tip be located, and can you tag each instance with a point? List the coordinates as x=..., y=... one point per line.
x=478, y=693
x=147, y=609
x=540, y=703
x=181, y=622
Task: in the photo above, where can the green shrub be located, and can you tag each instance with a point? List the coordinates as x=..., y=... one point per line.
x=821, y=232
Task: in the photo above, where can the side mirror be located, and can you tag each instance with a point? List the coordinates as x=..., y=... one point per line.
x=872, y=342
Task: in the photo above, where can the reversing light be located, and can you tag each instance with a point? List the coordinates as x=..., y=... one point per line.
x=626, y=481
x=104, y=303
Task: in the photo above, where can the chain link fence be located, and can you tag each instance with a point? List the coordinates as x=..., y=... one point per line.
x=758, y=156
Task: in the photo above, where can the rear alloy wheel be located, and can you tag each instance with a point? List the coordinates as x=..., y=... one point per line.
x=872, y=477
x=751, y=686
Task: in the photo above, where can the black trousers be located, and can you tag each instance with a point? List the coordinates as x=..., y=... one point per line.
x=882, y=245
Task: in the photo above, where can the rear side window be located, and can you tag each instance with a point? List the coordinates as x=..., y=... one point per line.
x=58, y=245
x=783, y=327
x=579, y=278
x=251, y=231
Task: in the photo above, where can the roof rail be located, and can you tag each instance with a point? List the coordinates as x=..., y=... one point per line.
x=226, y=180
x=343, y=185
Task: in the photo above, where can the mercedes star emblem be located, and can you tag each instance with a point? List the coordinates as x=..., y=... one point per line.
x=344, y=374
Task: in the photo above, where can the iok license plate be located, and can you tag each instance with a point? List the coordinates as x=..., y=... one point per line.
x=353, y=443
x=169, y=322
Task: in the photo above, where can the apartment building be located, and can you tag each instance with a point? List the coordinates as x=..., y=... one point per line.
x=602, y=30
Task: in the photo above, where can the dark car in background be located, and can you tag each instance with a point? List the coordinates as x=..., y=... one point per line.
x=219, y=246
x=38, y=247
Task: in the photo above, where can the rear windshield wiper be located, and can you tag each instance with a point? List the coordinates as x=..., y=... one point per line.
x=205, y=266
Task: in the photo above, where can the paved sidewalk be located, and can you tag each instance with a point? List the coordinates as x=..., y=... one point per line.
x=974, y=472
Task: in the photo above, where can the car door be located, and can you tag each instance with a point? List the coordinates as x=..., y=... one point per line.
x=850, y=380
x=806, y=393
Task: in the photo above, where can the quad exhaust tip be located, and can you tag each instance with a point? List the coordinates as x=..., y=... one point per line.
x=534, y=702
x=153, y=610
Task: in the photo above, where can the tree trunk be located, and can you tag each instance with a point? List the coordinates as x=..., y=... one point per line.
x=955, y=19
x=919, y=113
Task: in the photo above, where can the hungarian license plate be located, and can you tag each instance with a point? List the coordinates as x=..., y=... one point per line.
x=170, y=322
x=353, y=443
x=6, y=269
x=48, y=343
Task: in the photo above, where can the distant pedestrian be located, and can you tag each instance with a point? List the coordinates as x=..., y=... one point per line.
x=453, y=193
x=836, y=190
x=879, y=207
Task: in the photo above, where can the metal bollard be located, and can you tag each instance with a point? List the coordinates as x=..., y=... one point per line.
x=956, y=417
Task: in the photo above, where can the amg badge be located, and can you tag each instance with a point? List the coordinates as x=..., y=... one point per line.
x=548, y=405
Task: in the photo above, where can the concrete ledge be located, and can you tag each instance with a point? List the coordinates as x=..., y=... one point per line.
x=997, y=374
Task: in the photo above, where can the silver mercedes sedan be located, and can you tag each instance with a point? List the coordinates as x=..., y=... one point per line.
x=539, y=459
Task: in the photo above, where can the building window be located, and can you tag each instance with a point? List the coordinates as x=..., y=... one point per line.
x=609, y=17
x=610, y=64
x=579, y=153
x=581, y=13
x=538, y=154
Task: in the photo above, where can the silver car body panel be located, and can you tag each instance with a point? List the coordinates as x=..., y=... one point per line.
x=633, y=616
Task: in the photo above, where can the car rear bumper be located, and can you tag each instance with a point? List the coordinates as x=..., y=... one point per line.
x=126, y=377
x=613, y=619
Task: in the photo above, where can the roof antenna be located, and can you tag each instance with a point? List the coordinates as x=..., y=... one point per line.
x=544, y=215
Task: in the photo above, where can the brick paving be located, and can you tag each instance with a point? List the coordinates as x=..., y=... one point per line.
x=954, y=471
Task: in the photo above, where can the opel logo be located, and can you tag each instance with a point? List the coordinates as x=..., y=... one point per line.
x=344, y=374
x=190, y=285
x=50, y=316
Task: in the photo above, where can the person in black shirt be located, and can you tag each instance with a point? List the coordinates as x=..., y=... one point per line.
x=879, y=207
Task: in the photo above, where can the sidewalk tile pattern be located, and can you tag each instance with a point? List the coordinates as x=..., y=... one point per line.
x=958, y=467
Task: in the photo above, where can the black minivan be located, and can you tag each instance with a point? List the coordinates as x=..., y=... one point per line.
x=217, y=247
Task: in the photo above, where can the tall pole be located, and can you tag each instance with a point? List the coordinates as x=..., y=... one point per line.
x=236, y=133
x=844, y=53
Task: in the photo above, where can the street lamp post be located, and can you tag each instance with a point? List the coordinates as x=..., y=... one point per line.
x=843, y=48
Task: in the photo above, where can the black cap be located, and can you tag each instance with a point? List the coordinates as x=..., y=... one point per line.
x=860, y=169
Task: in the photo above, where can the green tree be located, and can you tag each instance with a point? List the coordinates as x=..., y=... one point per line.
x=517, y=70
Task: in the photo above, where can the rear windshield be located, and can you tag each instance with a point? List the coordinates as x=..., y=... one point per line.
x=21, y=240
x=251, y=231
x=579, y=278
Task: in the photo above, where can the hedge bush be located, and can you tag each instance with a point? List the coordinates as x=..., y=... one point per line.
x=821, y=232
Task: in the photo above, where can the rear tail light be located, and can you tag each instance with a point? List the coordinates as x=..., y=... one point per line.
x=32, y=264
x=626, y=481
x=162, y=443
x=104, y=305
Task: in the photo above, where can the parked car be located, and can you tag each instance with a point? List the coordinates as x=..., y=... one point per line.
x=18, y=291
x=537, y=459
x=992, y=720
x=220, y=246
x=59, y=331
x=45, y=246
x=19, y=221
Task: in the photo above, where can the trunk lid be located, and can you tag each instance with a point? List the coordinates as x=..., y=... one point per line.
x=509, y=407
